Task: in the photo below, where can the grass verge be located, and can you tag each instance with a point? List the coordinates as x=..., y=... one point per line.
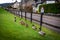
x=10, y=30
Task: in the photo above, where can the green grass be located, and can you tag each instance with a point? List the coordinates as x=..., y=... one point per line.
x=10, y=30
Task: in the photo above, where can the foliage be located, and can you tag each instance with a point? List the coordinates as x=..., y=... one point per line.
x=9, y=7
x=51, y=8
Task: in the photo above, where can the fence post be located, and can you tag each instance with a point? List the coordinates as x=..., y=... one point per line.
x=25, y=15
x=21, y=13
x=15, y=17
x=31, y=17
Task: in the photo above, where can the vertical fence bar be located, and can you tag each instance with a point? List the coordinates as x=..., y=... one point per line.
x=15, y=16
x=31, y=17
x=41, y=21
x=25, y=15
x=18, y=13
x=21, y=13
x=21, y=9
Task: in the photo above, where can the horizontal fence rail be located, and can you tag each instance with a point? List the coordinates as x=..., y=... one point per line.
x=15, y=11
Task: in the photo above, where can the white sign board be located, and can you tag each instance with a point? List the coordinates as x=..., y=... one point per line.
x=42, y=10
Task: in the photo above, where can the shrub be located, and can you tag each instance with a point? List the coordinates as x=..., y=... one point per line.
x=51, y=8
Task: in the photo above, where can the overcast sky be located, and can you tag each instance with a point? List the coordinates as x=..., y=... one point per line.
x=8, y=1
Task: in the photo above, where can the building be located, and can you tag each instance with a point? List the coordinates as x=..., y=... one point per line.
x=49, y=1
x=27, y=2
x=16, y=4
x=35, y=3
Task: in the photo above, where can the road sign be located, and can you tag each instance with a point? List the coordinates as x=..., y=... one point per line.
x=42, y=10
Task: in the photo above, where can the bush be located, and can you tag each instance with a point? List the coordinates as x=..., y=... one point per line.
x=9, y=7
x=51, y=8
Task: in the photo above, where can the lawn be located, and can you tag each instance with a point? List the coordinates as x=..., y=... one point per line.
x=10, y=30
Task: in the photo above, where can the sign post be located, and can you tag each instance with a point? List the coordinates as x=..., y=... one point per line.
x=41, y=18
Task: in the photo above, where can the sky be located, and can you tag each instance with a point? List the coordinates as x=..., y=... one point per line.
x=8, y=1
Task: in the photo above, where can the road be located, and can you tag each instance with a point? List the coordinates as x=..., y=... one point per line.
x=54, y=21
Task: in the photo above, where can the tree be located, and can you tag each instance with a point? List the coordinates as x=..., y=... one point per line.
x=57, y=0
x=35, y=0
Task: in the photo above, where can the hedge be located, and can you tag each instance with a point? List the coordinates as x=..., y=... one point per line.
x=51, y=8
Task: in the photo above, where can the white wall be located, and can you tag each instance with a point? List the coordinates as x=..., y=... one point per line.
x=49, y=2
